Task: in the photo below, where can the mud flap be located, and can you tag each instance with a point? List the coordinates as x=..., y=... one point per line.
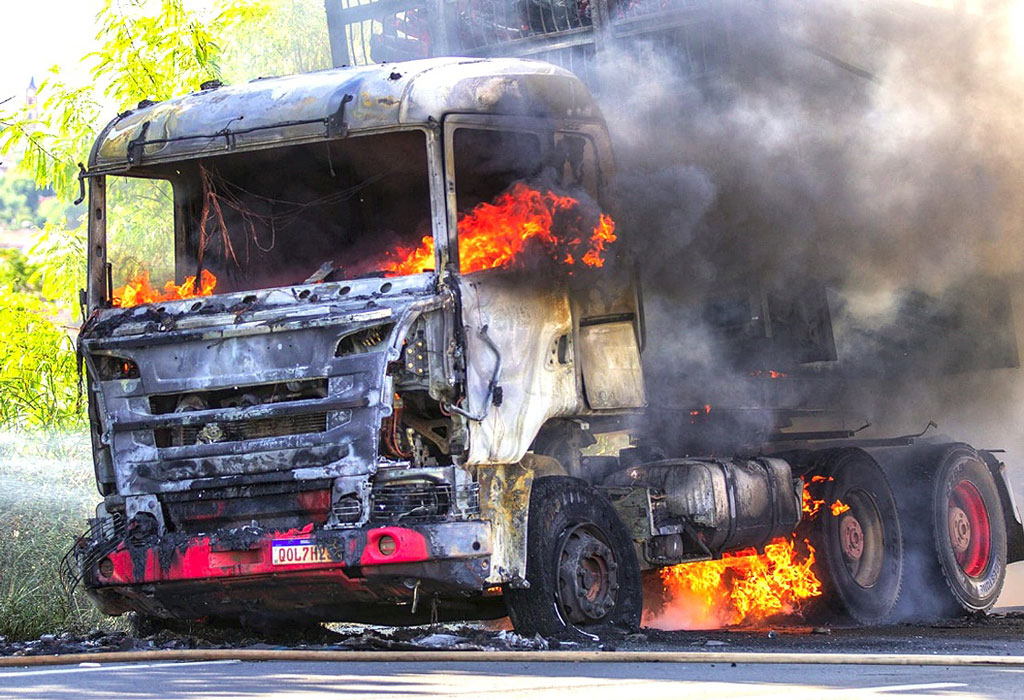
x=1011, y=513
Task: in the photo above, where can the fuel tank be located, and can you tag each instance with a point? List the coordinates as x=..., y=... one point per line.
x=732, y=503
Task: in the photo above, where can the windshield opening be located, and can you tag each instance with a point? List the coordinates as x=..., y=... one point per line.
x=524, y=198
x=140, y=239
x=275, y=217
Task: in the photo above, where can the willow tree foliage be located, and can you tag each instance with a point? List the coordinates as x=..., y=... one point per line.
x=145, y=50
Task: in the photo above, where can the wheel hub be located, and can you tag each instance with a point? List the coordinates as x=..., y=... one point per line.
x=851, y=536
x=959, y=530
x=969, y=528
x=587, y=578
x=861, y=537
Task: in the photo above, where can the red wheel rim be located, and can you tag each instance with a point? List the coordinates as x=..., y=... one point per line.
x=969, y=532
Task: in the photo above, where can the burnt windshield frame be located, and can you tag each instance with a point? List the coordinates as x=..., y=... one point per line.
x=594, y=132
x=312, y=212
x=183, y=174
x=99, y=282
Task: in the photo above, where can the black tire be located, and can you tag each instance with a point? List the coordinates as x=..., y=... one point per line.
x=966, y=534
x=581, y=565
x=861, y=549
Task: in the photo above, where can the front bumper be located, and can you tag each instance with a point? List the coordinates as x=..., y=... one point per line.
x=232, y=572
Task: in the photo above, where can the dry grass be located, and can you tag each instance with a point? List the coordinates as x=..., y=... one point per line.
x=46, y=494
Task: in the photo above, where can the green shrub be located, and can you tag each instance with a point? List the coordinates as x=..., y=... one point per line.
x=17, y=270
x=38, y=370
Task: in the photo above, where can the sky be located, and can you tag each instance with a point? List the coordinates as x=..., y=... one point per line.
x=36, y=34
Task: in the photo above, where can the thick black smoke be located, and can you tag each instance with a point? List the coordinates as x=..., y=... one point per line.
x=873, y=147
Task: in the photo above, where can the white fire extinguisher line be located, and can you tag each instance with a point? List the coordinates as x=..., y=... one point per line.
x=683, y=657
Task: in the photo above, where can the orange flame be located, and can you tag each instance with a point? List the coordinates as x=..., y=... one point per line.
x=140, y=291
x=838, y=508
x=769, y=373
x=493, y=235
x=811, y=505
x=741, y=588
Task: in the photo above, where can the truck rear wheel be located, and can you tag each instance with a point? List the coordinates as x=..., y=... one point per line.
x=968, y=533
x=858, y=532
x=581, y=565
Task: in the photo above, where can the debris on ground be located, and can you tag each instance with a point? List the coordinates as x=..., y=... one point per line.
x=1000, y=633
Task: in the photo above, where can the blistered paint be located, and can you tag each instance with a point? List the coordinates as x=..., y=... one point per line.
x=525, y=322
x=505, y=502
x=330, y=104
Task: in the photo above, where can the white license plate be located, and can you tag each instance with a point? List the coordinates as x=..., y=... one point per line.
x=298, y=551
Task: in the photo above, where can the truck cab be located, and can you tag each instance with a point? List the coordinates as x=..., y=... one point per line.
x=317, y=379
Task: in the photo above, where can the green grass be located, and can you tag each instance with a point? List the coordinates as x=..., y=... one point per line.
x=46, y=494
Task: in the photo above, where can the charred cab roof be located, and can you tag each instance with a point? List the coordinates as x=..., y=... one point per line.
x=332, y=103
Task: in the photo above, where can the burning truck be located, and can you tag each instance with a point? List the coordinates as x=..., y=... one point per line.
x=393, y=337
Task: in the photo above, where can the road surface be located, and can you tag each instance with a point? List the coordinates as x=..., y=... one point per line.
x=510, y=681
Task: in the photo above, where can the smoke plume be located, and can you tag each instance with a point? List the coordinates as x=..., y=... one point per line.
x=873, y=147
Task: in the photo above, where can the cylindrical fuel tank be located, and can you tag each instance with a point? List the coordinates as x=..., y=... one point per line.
x=733, y=503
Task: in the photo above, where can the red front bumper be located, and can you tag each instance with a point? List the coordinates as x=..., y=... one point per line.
x=232, y=572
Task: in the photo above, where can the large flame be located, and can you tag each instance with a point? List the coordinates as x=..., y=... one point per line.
x=491, y=235
x=746, y=588
x=741, y=588
x=141, y=291
x=495, y=234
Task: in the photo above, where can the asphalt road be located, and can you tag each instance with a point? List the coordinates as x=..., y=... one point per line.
x=510, y=681
x=993, y=636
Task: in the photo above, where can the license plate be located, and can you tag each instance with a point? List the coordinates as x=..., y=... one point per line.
x=299, y=551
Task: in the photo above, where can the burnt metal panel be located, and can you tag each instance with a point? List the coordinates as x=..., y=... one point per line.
x=610, y=360
x=330, y=104
x=513, y=330
x=254, y=430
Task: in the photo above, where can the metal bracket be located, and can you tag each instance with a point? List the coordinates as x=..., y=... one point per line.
x=336, y=124
x=82, y=174
x=137, y=145
x=145, y=504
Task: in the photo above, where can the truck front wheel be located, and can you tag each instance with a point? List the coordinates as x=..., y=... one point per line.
x=581, y=565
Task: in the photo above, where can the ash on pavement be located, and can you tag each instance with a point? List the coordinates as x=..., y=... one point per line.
x=1000, y=634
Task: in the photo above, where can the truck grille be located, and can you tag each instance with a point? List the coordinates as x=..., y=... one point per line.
x=239, y=397
x=235, y=431
x=422, y=501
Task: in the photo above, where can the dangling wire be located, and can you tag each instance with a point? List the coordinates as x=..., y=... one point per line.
x=219, y=192
x=211, y=202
